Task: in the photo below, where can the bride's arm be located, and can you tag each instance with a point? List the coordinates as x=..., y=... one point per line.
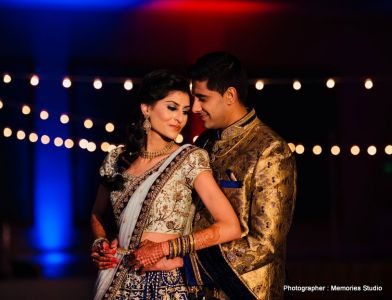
x=225, y=228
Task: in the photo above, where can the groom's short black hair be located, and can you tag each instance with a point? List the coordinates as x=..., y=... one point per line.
x=221, y=70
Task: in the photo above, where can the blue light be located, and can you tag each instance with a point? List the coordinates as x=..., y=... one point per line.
x=53, y=205
x=52, y=165
x=98, y=4
x=55, y=264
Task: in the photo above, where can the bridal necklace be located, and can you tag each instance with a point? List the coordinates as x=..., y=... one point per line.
x=163, y=151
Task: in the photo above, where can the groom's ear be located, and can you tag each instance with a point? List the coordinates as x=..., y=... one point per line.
x=230, y=95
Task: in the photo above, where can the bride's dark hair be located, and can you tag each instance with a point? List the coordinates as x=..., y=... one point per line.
x=155, y=86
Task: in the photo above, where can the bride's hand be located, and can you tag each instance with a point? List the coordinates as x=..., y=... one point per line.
x=148, y=254
x=166, y=265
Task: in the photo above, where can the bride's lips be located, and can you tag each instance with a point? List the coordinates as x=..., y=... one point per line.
x=176, y=127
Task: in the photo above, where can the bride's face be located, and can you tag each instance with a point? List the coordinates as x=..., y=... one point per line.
x=169, y=115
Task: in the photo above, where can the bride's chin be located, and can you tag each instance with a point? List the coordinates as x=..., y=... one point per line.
x=168, y=138
x=165, y=137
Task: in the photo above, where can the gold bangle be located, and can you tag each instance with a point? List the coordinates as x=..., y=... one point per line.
x=99, y=241
x=186, y=245
x=181, y=246
x=170, y=255
x=175, y=248
x=193, y=248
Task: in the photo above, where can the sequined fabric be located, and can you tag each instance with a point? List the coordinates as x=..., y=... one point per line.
x=171, y=208
x=164, y=285
x=166, y=209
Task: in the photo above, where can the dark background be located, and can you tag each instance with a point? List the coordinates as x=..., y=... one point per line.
x=341, y=229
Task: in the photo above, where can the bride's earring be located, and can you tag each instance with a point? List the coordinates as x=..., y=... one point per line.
x=147, y=124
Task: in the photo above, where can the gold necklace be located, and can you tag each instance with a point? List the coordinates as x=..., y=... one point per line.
x=163, y=151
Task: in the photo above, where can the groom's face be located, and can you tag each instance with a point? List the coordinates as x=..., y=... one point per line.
x=210, y=105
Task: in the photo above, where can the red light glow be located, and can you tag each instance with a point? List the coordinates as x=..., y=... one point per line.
x=213, y=6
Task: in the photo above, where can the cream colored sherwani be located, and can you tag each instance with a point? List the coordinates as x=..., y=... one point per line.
x=256, y=170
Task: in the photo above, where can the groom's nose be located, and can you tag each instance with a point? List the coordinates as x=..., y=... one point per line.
x=196, y=107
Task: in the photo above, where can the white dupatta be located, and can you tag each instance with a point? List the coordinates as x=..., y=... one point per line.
x=128, y=219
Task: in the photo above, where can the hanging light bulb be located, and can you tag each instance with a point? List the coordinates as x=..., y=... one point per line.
x=128, y=84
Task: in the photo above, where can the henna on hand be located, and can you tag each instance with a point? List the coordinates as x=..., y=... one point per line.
x=148, y=254
x=166, y=265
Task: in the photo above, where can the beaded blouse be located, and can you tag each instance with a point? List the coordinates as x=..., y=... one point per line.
x=171, y=210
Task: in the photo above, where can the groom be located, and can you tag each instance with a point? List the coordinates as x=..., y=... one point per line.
x=256, y=170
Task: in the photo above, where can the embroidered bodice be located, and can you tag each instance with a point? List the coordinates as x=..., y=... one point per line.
x=170, y=212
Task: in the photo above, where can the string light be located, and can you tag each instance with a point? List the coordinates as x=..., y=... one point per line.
x=83, y=143
x=91, y=147
x=355, y=150
x=67, y=83
x=300, y=149
x=7, y=78
x=368, y=83
x=388, y=149
x=45, y=139
x=44, y=115
x=259, y=85
x=33, y=137
x=372, y=150
x=317, y=150
x=109, y=127
x=7, y=132
x=297, y=85
x=335, y=150
x=20, y=135
x=88, y=123
x=58, y=142
x=330, y=83
x=105, y=146
x=68, y=143
x=34, y=80
x=64, y=119
x=128, y=84
x=97, y=84
x=26, y=109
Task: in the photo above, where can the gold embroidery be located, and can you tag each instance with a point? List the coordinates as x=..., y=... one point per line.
x=172, y=208
x=264, y=164
x=231, y=146
x=142, y=218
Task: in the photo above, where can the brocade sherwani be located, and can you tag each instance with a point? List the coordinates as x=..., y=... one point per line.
x=256, y=170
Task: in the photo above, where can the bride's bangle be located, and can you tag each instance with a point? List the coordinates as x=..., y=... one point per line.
x=181, y=246
x=99, y=241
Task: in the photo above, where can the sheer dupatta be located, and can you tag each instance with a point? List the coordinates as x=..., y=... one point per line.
x=128, y=221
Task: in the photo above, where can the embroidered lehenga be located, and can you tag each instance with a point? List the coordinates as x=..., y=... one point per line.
x=157, y=201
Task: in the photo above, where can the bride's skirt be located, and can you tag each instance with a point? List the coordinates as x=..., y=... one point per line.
x=163, y=285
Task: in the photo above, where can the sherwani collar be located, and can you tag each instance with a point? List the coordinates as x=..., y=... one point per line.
x=238, y=127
